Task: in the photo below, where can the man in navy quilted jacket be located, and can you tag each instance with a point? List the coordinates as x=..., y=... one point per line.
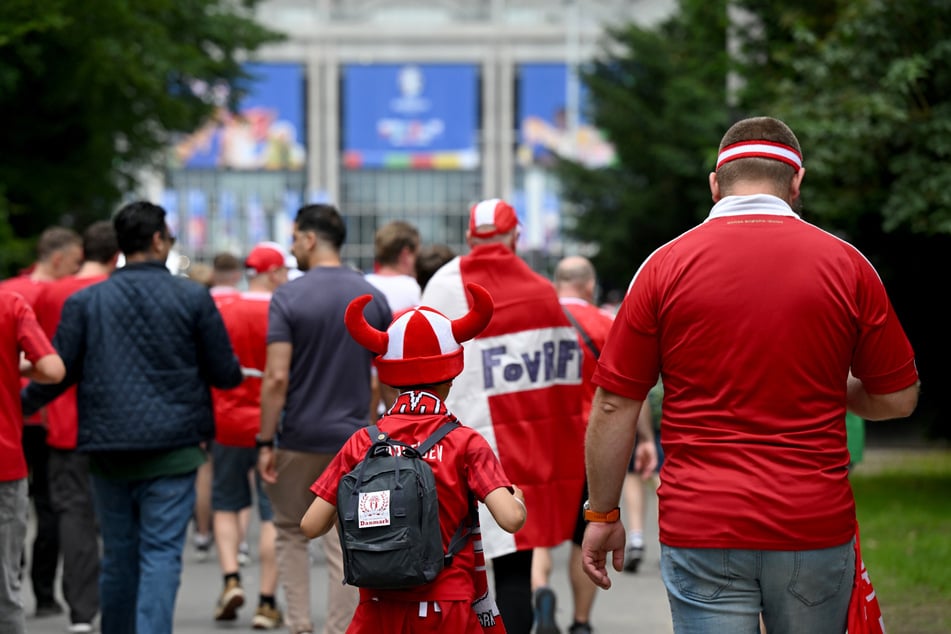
x=143, y=349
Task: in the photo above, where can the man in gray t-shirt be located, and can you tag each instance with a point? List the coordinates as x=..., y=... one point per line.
x=318, y=377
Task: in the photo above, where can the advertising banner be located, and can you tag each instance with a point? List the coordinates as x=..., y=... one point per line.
x=410, y=116
x=267, y=132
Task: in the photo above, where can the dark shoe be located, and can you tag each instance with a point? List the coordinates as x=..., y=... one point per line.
x=580, y=628
x=545, y=612
x=232, y=598
x=632, y=558
x=48, y=608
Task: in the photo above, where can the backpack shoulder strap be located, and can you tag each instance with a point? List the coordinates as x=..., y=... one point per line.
x=582, y=333
x=437, y=435
x=463, y=532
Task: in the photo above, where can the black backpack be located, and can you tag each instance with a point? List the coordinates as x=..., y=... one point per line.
x=388, y=516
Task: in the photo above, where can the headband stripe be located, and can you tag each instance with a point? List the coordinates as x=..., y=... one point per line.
x=760, y=149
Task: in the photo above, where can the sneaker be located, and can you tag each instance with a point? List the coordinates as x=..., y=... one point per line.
x=267, y=618
x=202, y=546
x=79, y=628
x=232, y=598
x=244, y=554
x=48, y=608
x=580, y=628
x=632, y=558
x=545, y=612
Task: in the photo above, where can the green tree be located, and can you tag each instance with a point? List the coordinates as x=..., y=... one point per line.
x=661, y=97
x=90, y=93
x=873, y=105
x=865, y=84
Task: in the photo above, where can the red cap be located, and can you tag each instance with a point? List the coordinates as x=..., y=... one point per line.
x=494, y=216
x=267, y=256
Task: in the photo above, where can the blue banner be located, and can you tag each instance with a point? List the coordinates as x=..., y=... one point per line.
x=266, y=133
x=543, y=120
x=417, y=116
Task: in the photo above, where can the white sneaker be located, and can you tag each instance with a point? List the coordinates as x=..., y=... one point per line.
x=79, y=628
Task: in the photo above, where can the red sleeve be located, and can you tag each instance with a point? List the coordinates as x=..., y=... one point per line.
x=883, y=358
x=30, y=337
x=484, y=472
x=630, y=361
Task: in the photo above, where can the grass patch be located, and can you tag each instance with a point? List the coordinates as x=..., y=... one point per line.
x=904, y=512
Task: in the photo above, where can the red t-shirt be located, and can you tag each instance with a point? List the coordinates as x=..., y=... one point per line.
x=596, y=323
x=61, y=417
x=461, y=462
x=754, y=319
x=19, y=331
x=29, y=289
x=238, y=411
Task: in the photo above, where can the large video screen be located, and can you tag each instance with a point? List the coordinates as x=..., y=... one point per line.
x=266, y=132
x=543, y=120
x=410, y=116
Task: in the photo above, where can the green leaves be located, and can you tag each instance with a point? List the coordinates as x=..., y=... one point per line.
x=92, y=92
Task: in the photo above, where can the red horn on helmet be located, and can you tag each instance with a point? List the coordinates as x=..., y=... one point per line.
x=475, y=321
x=366, y=335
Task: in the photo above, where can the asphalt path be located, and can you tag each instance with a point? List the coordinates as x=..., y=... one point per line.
x=636, y=603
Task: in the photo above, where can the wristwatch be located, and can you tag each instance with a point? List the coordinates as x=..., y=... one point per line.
x=263, y=442
x=593, y=516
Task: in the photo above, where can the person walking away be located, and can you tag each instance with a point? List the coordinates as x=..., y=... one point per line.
x=764, y=330
x=521, y=389
x=420, y=354
x=237, y=422
x=314, y=395
x=27, y=352
x=395, y=247
x=575, y=282
x=143, y=349
x=59, y=253
x=70, y=489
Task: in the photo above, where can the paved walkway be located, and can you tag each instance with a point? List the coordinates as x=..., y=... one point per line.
x=637, y=603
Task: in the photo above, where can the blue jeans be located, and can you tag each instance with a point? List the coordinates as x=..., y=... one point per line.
x=143, y=525
x=718, y=590
x=14, y=507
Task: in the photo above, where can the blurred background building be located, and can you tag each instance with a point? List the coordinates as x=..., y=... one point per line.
x=397, y=109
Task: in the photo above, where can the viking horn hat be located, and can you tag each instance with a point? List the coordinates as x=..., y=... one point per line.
x=421, y=346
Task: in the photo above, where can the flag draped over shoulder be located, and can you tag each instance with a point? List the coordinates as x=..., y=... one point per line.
x=521, y=389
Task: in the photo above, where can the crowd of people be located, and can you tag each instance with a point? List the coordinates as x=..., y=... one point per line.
x=137, y=403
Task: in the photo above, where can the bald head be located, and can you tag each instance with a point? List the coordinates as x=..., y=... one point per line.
x=574, y=277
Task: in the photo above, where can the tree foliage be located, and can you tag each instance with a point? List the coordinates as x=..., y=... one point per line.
x=91, y=91
x=866, y=85
x=661, y=97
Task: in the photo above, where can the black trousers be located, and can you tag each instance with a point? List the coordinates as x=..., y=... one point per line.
x=513, y=591
x=71, y=492
x=45, y=552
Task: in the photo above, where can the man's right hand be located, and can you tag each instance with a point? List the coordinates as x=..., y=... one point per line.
x=267, y=465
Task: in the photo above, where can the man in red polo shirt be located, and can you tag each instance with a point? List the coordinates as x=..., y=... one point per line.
x=70, y=492
x=237, y=422
x=764, y=329
x=59, y=252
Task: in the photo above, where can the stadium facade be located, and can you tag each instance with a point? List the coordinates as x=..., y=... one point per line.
x=398, y=110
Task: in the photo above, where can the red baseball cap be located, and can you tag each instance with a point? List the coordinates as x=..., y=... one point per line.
x=494, y=216
x=268, y=256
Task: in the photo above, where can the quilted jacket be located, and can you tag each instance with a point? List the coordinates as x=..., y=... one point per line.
x=143, y=347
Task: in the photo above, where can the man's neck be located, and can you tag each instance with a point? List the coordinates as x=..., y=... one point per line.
x=93, y=269
x=42, y=273
x=389, y=271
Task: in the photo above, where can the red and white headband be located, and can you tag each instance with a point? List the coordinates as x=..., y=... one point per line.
x=760, y=149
